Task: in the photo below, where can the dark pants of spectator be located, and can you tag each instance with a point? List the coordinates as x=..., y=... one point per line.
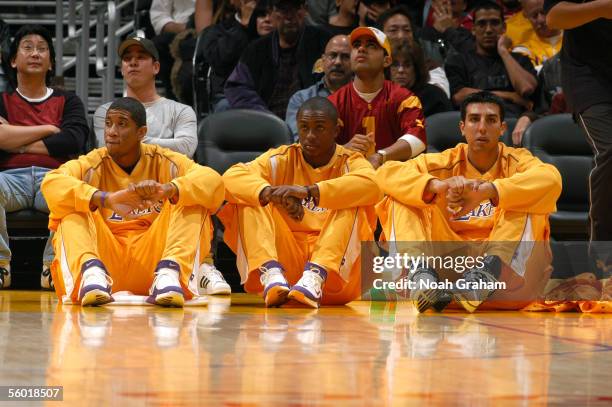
x=162, y=43
x=597, y=123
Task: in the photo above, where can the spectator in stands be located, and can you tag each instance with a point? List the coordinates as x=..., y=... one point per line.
x=437, y=12
x=320, y=11
x=337, y=73
x=40, y=128
x=274, y=67
x=346, y=19
x=492, y=66
x=450, y=25
x=586, y=72
x=549, y=98
x=169, y=17
x=544, y=42
x=170, y=124
x=398, y=27
x=224, y=42
x=370, y=11
x=518, y=28
x=378, y=118
x=408, y=70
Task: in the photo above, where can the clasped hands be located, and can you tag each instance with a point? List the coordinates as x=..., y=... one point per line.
x=289, y=198
x=461, y=194
x=141, y=195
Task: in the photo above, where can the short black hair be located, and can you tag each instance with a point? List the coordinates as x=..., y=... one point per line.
x=320, y=104
x=133, y=107
x=31, y=29
x=387, y=14
x=488, y=5
x=483, y=97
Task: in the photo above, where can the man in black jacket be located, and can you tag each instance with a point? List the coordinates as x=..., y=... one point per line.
x=276, y=66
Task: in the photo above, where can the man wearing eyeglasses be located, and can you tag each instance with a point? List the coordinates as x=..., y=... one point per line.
x=337, y=73
x=273, y=68
x=40, y=128
x=491, y=66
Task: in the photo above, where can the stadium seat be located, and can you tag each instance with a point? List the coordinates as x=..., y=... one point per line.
x=239, y=135
x=559, y=141
x=443, y=131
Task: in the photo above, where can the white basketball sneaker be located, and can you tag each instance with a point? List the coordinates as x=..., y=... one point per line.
x=166, y=288
x=211, y=281
x=309, y=289
x=275, y=285
x=46, y=281
x=96, y=284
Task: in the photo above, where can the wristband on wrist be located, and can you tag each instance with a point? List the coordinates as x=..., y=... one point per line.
x=103, y=199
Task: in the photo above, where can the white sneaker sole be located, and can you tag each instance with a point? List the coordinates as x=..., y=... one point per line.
x=170, y=299
x=300, y=297
x=223, y=290
x=276, y=296
x=95, y=297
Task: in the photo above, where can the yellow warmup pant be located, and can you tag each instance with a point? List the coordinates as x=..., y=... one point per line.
x=181, y=234
x=519, y=239
x=260, y=234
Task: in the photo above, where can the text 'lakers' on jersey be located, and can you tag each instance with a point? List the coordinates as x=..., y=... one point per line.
x=523, y=182
x=73, y=184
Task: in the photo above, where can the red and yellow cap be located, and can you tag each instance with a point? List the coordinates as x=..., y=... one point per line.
x=372, y=32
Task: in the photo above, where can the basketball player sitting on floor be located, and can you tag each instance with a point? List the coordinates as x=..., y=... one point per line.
x=130, y=216
x=298, y=213
x=480, y=191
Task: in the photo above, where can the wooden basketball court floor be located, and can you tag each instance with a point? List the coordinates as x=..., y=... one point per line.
x=235, y=352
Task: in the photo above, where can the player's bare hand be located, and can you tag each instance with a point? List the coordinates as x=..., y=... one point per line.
x=294, y=208
x=282, y=192
x=361, y=143
x=123, y=202
x=265, y=196
x=472, y=197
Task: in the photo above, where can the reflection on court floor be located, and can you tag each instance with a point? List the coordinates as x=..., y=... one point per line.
x=235, y=352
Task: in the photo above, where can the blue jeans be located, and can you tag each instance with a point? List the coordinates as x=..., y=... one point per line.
x=20, y=189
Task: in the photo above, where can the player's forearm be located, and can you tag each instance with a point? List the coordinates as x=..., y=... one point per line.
x=355, y=189
x=13, y=137
x=522, y=81
x=566, y=15
x=200, y=186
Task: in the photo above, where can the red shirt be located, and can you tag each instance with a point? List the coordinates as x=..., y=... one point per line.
x=394, y=112
x=61, y=109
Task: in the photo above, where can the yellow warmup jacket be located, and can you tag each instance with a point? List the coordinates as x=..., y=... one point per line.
x=524, y=184
x=70, y=187
x=347, y=181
